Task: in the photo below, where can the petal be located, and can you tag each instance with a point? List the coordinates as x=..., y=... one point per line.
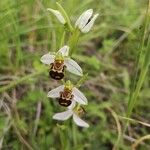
x=64, y=50
x=73, y=67
x=79, y=96
x=73, y=104
x=58, y=15
x=88, y=27
x=47, y=58
x=79, y=121
x=63, y=115
x=83, y=19
x=55, y=92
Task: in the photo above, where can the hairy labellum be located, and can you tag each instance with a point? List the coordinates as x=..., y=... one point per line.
x=56, y=75
x=68, y=94
x=66, y=98
x=57, y=70
x=64, y=102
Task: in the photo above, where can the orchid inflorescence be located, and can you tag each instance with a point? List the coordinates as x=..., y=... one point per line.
x=68, y=94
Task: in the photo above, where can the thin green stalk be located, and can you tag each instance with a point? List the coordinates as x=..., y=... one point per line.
x=61, y=9
x=74, y=132
x=22, y=139
x=145, y=64
x=63, y=133
x=137, y=90
x=119, y=139
x=63, y=39
x=137, y=87
x=74, y=41
x=83, y=79
x=62, y=137
x=140, y=54
x=137, y=63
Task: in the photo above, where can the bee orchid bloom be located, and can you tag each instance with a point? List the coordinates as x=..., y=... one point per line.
x=86, y=20
x=67, y=114
x=58, y=15
x=60, y=62
x=67, y=94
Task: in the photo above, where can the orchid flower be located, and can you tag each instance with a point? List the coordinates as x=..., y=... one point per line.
x=60, y=62
x=86, y=21
x=67, y=93
x=72, y=112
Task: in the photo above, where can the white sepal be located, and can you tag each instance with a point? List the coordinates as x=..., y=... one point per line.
x=79, y=96
x=64, y=50
x=88, y=27
x=83, y=19
x=73, y=67
x=47, y=58
x=79, y=121
x=58, y=15
x=55, y=92
x=63, y=115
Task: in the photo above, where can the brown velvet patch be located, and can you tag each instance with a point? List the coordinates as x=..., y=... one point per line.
x=64, y=102
x=56, y=75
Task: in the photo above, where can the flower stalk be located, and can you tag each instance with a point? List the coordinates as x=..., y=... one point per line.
x=74, y=41
x=61, y=9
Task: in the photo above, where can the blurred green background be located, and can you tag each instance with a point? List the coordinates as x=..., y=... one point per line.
x=108, y=53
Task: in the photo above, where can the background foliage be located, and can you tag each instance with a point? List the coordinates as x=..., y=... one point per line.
x=108, y=54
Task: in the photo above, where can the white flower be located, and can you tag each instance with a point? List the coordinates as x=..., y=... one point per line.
x=58, y=15
x=73, y=95
x=61, y=61
x=67, y=114
x=86, y=21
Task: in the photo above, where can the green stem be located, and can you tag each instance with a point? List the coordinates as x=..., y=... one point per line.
x=145, y=64
x=140, y=53
x=62, y=130
x=61, y=9
x=62, y=138
x=74, y=41
x=74, y=131
x=137, y=90
x=137, y=87
x=80, y=82
x=63, y=39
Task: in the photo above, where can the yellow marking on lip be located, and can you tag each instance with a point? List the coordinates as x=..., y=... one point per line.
x=64, y=103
